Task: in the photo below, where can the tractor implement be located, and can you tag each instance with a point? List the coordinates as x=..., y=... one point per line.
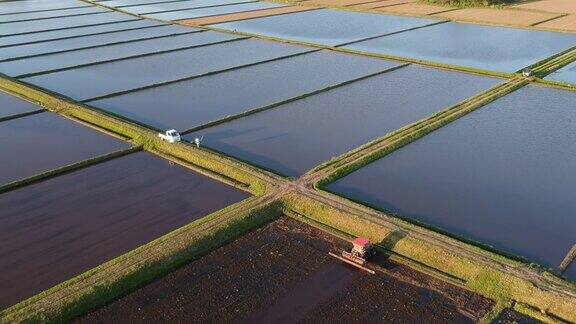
x=362, y=249
x=359, y=266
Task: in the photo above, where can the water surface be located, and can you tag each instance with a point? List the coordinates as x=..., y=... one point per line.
x=24, y=27
x=133, y=73
x=38, y=143
x=326, y=26
x=11, y=105
x=293, y=138
x=48, y=14
x=565, y=74
x=46, y=63
x=43, y=36
x=61, y=45
x=491, y=48
x=59, y=228
x=502, y=175
x=13, y=7
x=195, y=102
x=214, y=11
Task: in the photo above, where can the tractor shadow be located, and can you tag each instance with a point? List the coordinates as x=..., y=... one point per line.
x=389, y=242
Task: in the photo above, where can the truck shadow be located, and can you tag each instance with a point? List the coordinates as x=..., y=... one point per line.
x=388, y=243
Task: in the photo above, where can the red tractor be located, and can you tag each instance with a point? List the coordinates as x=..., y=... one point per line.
x=362, y=250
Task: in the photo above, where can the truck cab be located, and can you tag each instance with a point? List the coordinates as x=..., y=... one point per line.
x=170, y=136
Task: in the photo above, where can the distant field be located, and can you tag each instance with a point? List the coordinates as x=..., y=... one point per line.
x=471, y=3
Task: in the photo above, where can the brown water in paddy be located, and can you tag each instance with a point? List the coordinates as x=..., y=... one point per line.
x=38, y=143
x=56, y=229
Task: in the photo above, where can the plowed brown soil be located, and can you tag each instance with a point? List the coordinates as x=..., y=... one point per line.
x=505, y=17
x=379, y=4
x=509, y=316
x=415, y=9
x=243, y=15
x=282, y=273
x=560, y=6
x=563, y=23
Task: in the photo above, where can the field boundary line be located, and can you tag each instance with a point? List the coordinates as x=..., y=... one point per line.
x=33, y=74
x=286, y=101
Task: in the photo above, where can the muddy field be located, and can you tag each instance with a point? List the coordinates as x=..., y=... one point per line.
x=56, y=229
x=243, y=15
x=508, y=17
x=565, y=23
x=509, y=316
x=562, y=6
x=282, y=273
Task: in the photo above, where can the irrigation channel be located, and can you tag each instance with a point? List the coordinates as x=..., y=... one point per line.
x=507, y=280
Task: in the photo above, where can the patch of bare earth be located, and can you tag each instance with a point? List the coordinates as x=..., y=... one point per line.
x=563, y=23
x=381, y=4
x=282, y=273
x=509, y=316
x=498, y=16
x=558, y=6
x=243, y=15
x=415, y=9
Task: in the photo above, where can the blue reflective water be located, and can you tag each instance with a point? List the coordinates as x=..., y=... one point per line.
x=23, y=27
x=326, y=26
x=565, y=74
x=90, y=41
x=43, y=36
x=113, y=77
x=50, y=62
x=13, y=7
x=195, y=102
x=502, y=175
x=299, y=135
x=483, y=47
x=11, y=105
x=49, y=14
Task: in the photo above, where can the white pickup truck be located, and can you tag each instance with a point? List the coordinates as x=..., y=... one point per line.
x=170, y=136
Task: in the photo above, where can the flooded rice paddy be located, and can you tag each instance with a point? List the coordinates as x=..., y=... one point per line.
x=180, y=5
x=566, y=74
x=25, y=27
x=188, y=104
x=15, y=7
x=14, y=40
x=502, y=175
x=326, y=26
x=11, y=105
x=62, y=45
x=48, y=14
x=293, y=138
x=483, y=47
x=214, y=11
x=61, y=227
x=144, y=71
x=46, y=63
x=282, y=273
x=34, y=144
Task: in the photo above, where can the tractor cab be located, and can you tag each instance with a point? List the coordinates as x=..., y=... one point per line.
x=362, y=250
